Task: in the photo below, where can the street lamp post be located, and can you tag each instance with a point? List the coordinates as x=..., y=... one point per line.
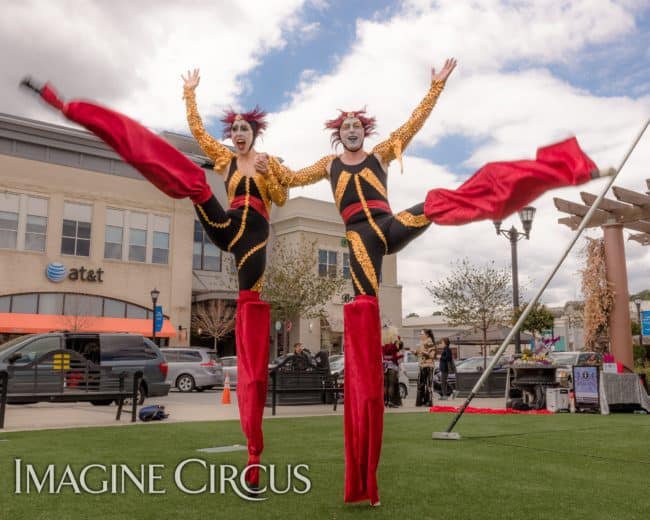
x=637, y=302
x=154, y=298
x=526, y=215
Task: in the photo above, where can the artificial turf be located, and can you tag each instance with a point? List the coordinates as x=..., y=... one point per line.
x=521, y=467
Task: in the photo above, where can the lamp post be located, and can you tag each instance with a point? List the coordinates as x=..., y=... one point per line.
x=526, y=215
x=637, y=302
x=154, y=298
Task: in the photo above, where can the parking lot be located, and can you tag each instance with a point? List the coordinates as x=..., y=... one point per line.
x=182, y=407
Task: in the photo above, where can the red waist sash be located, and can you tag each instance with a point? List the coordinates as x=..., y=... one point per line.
x=240, y=201
x=356, y=207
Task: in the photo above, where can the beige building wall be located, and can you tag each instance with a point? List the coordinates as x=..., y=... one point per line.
x=24, y=271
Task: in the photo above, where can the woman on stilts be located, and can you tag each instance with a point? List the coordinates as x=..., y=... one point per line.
x=242, y=229
x=359, y=184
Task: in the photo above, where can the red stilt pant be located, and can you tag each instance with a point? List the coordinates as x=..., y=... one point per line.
x=252, y=338
x=157, y=160
x=364, y=399
x=501, y=188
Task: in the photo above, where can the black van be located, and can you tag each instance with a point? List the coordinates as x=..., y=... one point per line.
x=122, y=352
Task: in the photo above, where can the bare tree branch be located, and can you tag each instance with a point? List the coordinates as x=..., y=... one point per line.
x=213, y=319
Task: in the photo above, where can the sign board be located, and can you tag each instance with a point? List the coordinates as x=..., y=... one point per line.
x=645, y=323
x=158, y=318
x=585, y=387
x=278, y=325
x=288, y=325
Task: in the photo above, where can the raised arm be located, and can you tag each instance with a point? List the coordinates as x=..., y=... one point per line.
x=392, y=147
x=216, y=151
x=308, y=175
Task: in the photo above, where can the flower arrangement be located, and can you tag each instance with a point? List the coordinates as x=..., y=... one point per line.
x=528, y=357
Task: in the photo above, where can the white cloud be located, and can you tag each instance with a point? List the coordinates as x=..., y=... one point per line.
x=129, y=56
x=503, y=93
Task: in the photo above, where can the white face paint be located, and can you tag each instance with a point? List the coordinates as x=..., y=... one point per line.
x=352, y=134
x=241, y=133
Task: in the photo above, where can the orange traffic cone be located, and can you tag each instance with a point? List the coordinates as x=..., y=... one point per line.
x=225, y=396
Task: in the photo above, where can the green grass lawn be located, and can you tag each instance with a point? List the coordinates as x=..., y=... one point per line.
x=519, y=467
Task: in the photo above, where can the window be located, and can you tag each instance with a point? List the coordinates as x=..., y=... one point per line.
x=36, y=224
x=147, y=237
x=327, y=263
x=50, y=303
x=9, y=210
x=346, y=266
x=24, y=303
x=207, y=256
x=23, y=222
x=114, y=234
x=160, y=253
x=39, y=347
x=82, y=305
x=8, y=229
x=114, y=308
x=137, y=237
x=75, y=239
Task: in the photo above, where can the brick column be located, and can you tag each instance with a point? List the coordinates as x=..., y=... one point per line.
x=619, y=321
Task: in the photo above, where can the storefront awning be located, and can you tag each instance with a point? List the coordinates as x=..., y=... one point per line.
x=14, y=323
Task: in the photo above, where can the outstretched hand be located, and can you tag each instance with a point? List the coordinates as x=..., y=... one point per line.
x=192, y=79
x=262, y=163
x=449, y=66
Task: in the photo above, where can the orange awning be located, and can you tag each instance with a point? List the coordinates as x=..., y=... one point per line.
x=14, y=323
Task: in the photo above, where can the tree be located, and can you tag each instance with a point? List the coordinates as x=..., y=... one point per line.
x=213, y=319
x=474, y=295
x=539, y=319
x=77, y=313
x=598, y=293
x=292, y=284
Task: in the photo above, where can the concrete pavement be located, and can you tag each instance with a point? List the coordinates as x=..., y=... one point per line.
x=182, y=407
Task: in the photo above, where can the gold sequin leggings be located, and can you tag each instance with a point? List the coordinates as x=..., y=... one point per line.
x=241, y=231
x=371, y=239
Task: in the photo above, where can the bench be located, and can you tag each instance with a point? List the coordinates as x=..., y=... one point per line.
x=292, y=384
x=65, y=376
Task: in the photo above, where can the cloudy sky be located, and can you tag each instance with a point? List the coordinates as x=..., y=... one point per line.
x=529, y=73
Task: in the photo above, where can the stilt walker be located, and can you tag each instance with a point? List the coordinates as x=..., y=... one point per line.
x=359, y=185
x=243, y=229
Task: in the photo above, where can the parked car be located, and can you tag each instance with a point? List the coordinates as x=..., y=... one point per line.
x=229, y=367
x=121, y=352
x=337, y=366
x=410, y=365
x=193, y=368
x=565, y=362
x=469, y=371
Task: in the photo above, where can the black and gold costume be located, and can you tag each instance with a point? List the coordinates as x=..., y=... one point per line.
x=244, y=228
x=360, y=193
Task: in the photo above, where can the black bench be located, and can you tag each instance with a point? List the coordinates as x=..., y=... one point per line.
x=293, y=384
x=65, y=376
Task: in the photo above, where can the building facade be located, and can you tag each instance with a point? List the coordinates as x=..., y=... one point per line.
x=84, y=240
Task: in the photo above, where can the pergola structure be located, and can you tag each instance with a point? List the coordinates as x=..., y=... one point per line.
x=631, y=210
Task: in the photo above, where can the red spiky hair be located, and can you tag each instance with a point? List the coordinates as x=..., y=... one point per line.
x=335, y=124
x=256, y=118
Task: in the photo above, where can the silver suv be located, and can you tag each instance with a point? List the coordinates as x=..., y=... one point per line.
x=193, y=368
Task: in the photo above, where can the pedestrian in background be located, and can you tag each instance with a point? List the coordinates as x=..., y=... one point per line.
x=447, y=365
x=426, y=353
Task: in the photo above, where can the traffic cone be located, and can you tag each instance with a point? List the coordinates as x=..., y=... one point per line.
x=225, y=396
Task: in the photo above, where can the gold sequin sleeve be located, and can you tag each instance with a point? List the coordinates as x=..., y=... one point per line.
x=277, y=192
x=216, y=151
x=304, y=176
x=392, y=148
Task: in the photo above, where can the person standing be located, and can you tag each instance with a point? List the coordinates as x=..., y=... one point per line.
x=446, y=365
x=426, y=353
